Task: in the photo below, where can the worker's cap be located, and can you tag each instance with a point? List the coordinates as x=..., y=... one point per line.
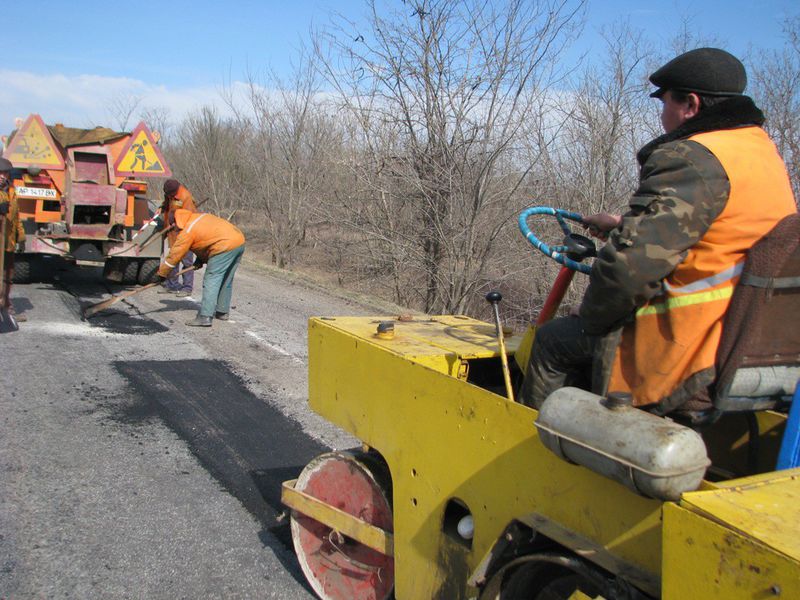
x=171, y=187
x=5, y=165
x=707, y=71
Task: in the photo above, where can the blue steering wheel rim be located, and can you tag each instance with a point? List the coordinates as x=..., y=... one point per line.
x=556, y=253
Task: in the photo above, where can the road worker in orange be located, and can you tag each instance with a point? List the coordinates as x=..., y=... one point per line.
x=709, y=188
x=176, y=196
x=219, y=244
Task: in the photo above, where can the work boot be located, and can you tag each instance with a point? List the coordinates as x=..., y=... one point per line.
x=200, y=321
x=183, y=294
x=166, y=290
x=222, y=316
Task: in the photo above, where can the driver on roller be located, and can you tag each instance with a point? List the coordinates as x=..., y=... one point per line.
x=709, y=188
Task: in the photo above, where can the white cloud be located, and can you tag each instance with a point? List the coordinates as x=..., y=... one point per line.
x=86, y=100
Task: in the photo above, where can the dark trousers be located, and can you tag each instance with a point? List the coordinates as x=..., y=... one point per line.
x=173, y=281
x=562, y=355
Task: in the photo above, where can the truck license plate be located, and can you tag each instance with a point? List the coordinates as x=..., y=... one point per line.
x=32, y=192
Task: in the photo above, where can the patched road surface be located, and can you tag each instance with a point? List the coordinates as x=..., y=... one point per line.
x=141, y=458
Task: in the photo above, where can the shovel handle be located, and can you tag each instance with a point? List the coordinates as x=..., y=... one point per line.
x=96, y=308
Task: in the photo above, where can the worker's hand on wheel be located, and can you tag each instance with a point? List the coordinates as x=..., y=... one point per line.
x=3, y=208
x=600, y=224
x=198, y=263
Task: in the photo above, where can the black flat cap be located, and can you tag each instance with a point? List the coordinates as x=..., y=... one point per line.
x=708, y=71
x=171, y=187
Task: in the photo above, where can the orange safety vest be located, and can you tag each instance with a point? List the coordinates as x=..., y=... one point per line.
x=677, y=333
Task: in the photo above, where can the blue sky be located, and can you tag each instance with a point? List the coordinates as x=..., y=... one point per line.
x=67, y=63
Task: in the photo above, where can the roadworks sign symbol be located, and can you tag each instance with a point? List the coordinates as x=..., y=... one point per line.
x=33, y=146
x=141, y=157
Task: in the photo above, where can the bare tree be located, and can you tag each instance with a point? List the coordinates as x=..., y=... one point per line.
x=122, y=108
x=776, y=81
x=289, y=136
x=447, y=84
x=158, y=119
x=207, y=156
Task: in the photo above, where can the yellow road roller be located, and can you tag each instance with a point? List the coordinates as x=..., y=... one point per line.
x=458, y=491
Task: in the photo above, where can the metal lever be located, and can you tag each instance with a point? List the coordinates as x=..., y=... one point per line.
x=494, y=299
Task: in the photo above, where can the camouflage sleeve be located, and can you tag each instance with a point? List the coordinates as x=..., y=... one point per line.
x=682, y=189
x=20, y=228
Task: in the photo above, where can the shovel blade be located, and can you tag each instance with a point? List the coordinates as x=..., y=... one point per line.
x=8, y=323
x=96, y=308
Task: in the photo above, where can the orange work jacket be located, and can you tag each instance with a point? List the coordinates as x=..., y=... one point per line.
x=204, y=234
x=677, y=333
x=182, y=199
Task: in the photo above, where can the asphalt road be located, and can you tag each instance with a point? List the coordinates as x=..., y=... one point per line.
x=141, y=458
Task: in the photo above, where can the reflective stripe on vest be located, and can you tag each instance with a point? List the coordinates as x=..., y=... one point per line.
x=188, y=229
x=681, y=301
x=706, y=282
x=691, y=290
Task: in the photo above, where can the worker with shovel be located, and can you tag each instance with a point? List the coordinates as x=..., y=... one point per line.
x=219, y=244
x=12, y=234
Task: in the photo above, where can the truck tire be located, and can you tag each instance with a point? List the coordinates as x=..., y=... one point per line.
x=22, y=269
x=148, y=270
x=130, y=272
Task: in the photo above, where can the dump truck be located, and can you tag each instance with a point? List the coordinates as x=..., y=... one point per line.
x=460, y=492
x=82, y=195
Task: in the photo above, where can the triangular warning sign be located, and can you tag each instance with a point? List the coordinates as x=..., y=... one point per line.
x=141, y=157
x=32, y=146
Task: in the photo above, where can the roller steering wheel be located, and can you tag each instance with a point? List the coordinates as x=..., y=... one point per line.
x=575, y=247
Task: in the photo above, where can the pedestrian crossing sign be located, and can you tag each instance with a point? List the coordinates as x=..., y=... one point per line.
x=33, y=146
x=141, y=157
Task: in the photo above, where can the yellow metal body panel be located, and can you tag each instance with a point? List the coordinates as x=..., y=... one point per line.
x=440, y=343
x=739, y=541
x=444, y=438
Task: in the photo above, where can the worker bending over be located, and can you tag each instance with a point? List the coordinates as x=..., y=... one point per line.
x=215, y=241
x=709, y=188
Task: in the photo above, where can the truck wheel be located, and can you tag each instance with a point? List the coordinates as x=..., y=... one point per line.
x=338, y=567
x=130, y=272
x=147, y=271
x=22, y=269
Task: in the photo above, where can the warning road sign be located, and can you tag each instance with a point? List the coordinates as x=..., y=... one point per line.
x=33, y=146
x=141, y=157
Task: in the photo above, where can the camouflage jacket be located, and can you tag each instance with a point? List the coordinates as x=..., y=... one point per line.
x=14, y=231
x=682, y=189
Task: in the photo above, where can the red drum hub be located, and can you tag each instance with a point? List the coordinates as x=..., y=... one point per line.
x=338, y=567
